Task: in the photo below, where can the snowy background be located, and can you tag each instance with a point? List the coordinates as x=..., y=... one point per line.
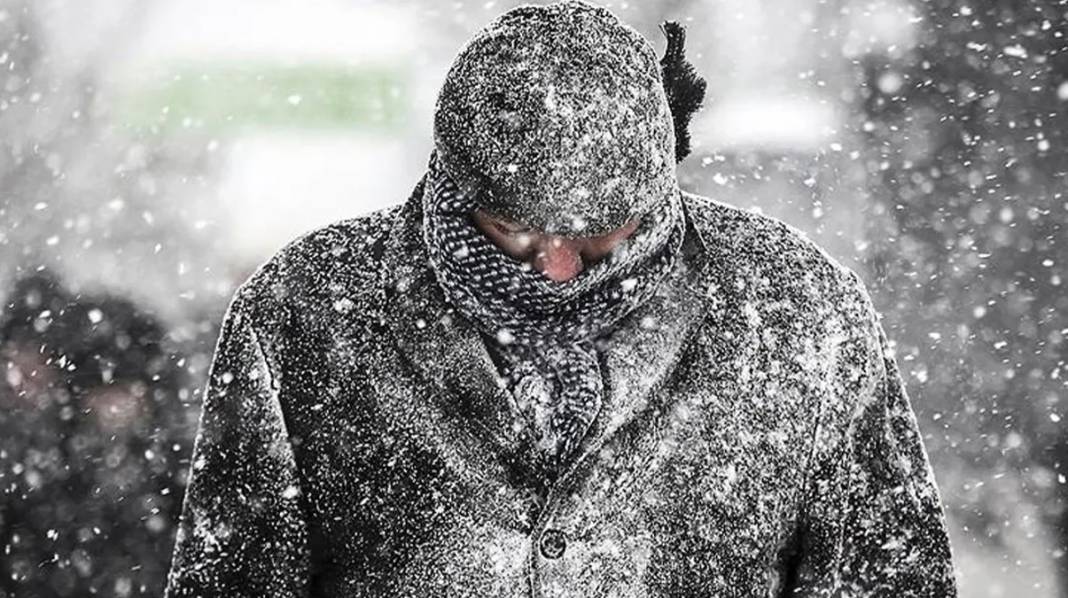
x=152, y=154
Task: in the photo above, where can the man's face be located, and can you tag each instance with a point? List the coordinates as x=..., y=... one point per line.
x=558, y=258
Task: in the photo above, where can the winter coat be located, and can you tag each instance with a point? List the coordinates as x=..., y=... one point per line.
x=755, y=438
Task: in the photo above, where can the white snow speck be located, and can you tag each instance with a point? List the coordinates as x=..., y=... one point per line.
x=505, y=337
x=344, y=305
x=1016, y=51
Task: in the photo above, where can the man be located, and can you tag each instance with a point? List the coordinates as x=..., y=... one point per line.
x=553, y=373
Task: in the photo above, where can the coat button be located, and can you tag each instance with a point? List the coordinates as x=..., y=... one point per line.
x=553, y=543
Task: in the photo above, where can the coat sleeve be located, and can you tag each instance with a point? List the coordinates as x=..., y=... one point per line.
x=874, y=523
x=242, y=530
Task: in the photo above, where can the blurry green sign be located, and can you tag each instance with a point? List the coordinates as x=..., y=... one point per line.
x=213, y=98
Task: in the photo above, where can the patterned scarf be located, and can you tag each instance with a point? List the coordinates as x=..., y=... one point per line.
x=545, y=331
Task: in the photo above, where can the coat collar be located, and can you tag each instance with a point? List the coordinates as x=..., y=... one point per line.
x=449, y=352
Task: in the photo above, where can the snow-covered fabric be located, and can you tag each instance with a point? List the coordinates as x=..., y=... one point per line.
x=545, y=330
x=559, y=115
x=755, y=438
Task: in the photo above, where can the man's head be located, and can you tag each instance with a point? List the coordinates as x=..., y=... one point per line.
x=557, y=118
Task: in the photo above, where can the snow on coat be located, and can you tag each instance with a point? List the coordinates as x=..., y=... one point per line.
x=755, y=438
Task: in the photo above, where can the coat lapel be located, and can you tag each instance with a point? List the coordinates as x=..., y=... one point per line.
x=442, y=347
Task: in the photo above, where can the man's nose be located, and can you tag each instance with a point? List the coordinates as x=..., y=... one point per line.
x=558, y=258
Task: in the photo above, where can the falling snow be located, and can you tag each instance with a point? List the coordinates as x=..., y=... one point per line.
x=826, y=405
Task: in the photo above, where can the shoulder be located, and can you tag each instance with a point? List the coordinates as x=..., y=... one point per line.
x=753, y=241
x=337, y=267
x=770, y=262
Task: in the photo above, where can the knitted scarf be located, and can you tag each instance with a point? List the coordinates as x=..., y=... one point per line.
x=545, y=331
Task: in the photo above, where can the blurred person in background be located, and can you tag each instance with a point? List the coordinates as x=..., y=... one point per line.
x=91, y=431
x=551, y=372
